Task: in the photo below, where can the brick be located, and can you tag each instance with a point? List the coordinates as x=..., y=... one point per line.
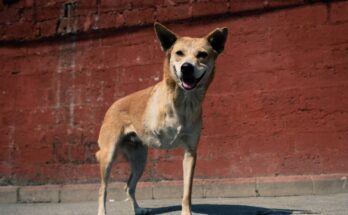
x=27, y=15
x=48, y=2
x=29, y=3
x=6, y=133
x=8, y=194
x=49, y=12
x=9, y=16
x=166, y=167
x=39, y=194
x=5, y=172
x=86, y=7
x=175, y=2
x=286, y=18
x=127, y=56
x=77, y=153
x=286, y=3
x=338, y=12
x=138, y=16
x=142, y=37
x=145, y=3
x=66, y=26
x=79, y=193
x=58, y=173
x=208, y=8
x=240, y=5
x=110, y=5
x=107, y=20
x=47, y=28
x=168, y=13
x=35, y=155
x=270, y=104
x=297, y=17
x=20, y=31
x=87, y=3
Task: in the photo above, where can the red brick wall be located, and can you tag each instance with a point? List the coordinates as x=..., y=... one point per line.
x=278, y=104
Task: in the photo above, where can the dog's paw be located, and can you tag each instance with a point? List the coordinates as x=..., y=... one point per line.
x=142, y=211
x=186, y=213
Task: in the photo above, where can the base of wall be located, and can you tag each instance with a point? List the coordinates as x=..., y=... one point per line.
x=207, y=188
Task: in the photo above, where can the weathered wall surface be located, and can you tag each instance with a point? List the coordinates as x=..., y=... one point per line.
x=278, y=104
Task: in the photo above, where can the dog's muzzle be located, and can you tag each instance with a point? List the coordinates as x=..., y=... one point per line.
x=188, y=79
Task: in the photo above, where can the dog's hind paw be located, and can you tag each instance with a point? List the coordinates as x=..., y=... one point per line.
x=142, y=211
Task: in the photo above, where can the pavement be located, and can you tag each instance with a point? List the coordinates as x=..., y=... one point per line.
x=270, y=186
x=330, y=204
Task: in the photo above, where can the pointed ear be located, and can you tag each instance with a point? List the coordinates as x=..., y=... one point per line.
x=217, y=39
x=165, y=36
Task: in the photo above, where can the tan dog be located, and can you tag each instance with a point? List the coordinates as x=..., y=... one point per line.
x=165, y=116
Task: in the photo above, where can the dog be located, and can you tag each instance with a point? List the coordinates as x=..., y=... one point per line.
x=165, y=116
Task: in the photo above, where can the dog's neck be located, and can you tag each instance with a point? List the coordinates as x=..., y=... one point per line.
x=189, y=103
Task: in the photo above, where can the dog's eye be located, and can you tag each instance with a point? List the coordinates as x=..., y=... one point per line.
x=202, y=55
x=179, y=53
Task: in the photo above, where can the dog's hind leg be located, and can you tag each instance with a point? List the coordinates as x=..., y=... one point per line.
x=108, y=141
x=137, y=156
x=105, y=168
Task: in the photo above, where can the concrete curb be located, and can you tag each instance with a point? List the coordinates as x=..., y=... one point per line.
x=207, y=188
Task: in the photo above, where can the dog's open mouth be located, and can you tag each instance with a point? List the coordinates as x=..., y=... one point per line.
x=189, y=83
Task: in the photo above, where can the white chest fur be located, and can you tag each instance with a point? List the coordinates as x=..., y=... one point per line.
x=161, y=122
x=166, y=137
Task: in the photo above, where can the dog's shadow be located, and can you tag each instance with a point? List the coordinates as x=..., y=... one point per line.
x=217, y=209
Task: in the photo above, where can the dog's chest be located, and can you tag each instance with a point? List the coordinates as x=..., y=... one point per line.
x=163, y=129
x=162, y=124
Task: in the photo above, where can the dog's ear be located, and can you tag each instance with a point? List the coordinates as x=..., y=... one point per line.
x=165, y=36
x=217, y=39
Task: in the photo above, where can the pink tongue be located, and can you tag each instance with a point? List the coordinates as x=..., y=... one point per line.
x=187, y=86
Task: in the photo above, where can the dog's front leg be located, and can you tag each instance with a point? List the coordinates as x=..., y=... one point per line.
x=189, y=163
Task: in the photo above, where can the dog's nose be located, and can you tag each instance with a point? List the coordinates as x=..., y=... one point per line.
x=187, y=68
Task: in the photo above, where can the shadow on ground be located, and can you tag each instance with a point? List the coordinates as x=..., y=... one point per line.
x=215, y=209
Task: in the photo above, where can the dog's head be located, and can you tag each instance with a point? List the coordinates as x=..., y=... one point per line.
x=191, y=60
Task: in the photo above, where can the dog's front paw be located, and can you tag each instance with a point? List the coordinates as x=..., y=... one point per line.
x=186, y=209
x=142, y=211
x=186, y=213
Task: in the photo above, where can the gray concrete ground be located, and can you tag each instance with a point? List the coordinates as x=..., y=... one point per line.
x=334, y=204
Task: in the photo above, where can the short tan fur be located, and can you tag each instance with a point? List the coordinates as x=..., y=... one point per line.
x=167, y=115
